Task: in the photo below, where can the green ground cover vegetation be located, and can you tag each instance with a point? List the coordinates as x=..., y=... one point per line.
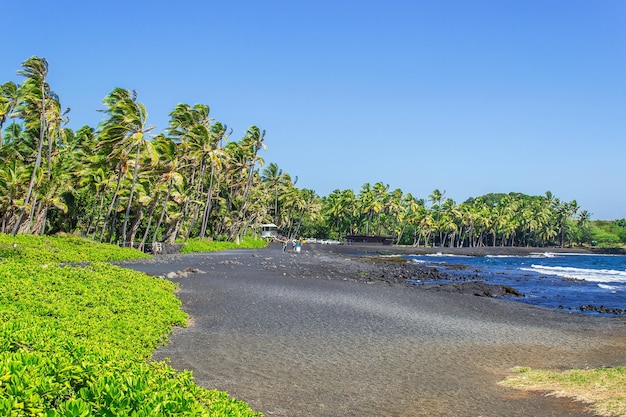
x=77, y=334
x=196, y=245
x=602, y=388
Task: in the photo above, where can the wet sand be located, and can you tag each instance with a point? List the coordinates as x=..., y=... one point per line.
x=321, y=334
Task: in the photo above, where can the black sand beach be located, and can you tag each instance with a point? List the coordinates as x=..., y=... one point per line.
x=320, y=333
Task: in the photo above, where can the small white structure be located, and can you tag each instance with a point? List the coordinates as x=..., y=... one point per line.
x=269, y=230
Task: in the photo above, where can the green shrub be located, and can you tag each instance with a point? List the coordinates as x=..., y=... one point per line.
x=77, y=340
x=195, y=245
x=62, y=249
x=604, y=238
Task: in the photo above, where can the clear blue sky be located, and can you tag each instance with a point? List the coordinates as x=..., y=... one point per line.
x=469, y=97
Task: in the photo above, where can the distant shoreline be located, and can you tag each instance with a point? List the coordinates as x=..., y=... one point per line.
x=467, y=251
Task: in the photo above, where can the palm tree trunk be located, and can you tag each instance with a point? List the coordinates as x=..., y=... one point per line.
x=33, y=177
x=246, y=192
x=101, y=206
x=134, y=227
x=147, y=231
x=163, y=211
x=93, y=213
x=199, y=189
x=207, y=205
x=111, y=206
x=44, y=215
x=132, y=192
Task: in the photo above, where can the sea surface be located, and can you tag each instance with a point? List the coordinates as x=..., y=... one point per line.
x=555, y=280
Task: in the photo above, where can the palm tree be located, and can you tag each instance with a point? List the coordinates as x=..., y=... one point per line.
x=34, y=92
x=367, y=204
x=13, y=176
x=427, y=226
x=307, y=203
x=448, y=223
x=584, y=223
x=381, y=202
x=252, y=143
x=398, y=210
x=215, y=159
x=170, y=165
x=249, y=148
x=9, y=98
x=567, y=212
x=124, y=134
x=339, y=210
x=273, y=177
x=435, y=199
x=200, y=138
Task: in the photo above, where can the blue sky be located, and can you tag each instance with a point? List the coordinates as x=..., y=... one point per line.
x=470, y=97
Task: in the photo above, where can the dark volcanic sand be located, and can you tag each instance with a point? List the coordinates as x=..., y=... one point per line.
x=322, y=334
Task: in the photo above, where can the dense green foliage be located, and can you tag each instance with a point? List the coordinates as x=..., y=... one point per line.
x=512, y=219
x=195, y=245
x=75, y=339
x=608, y=234
x=62, y=249
x=120, y=183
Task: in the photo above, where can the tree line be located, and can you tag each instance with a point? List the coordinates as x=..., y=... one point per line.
x=512, y=219
x=121, y=183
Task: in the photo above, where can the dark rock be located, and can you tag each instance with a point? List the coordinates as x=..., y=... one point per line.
x=603, y=309
x=478, y=288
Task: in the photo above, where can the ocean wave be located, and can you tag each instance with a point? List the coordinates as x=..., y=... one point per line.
x=613, y=288
x=445, y=255
x=543, y=255
x=530, y=255
x=592, y=275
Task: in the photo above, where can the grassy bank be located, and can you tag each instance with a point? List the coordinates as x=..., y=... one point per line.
x=76, y=335
x=603, y=389
x=195, y=245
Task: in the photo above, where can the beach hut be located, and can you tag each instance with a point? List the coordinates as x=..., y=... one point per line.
x=269, y=230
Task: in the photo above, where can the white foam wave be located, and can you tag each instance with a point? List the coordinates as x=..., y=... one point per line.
x=542, y=255
x=445, y=255
x=612, y=288
x=593, y=275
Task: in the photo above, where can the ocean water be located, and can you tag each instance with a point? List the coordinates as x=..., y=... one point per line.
x=561, y=281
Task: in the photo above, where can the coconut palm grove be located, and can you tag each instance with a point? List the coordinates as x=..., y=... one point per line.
x=122, y=183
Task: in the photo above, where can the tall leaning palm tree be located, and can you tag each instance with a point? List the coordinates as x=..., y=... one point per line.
x=34, y=92
x=124, y=135
x=251, y=144
x=169, y=167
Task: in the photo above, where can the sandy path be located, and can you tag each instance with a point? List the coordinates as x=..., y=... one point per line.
x=272, y=329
